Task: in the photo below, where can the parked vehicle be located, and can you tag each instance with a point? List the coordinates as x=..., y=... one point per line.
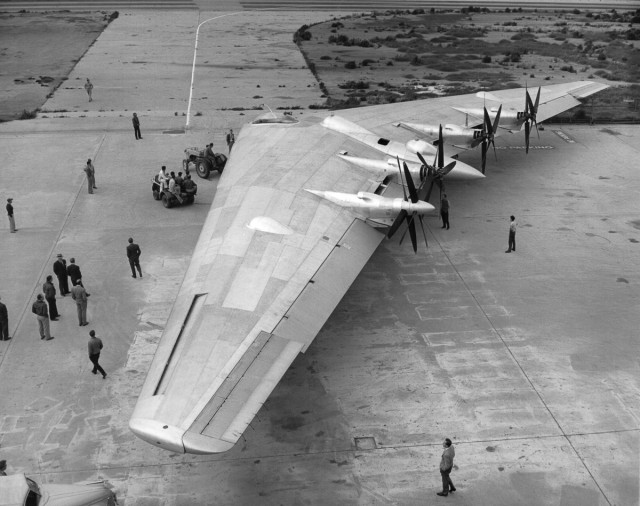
x=20, y=490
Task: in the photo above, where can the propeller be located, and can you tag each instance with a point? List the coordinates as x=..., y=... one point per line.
x=488, y=135
x=404, y=215
x=530, y=111
x=434, y=174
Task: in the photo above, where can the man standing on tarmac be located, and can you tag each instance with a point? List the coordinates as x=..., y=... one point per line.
x=91, y=176
x=513, y=225
x=39, y=309
x=136, y=126
x=60, y=270
x=133, y=254
x=12, y=223
x=79, y=294
x=444, y=211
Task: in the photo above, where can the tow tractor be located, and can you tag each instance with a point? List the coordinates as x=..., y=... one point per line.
x=195, y=158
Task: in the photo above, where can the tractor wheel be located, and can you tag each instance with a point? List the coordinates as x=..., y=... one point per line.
x=166, y=201
x=203, y=169
x=189, y=200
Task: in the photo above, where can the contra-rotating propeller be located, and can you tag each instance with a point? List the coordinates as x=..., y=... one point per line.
x=530, y=112
x=488, y=135
x=434, y=174
x=414, y=195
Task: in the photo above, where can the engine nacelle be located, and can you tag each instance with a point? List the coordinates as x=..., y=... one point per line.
x=420, y=146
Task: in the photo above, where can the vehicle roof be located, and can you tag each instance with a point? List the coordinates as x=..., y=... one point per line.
x=13, y=490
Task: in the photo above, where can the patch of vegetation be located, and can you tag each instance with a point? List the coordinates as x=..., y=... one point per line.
x=354, y=85
x=28, y=114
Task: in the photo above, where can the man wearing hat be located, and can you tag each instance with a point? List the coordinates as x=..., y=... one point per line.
x=12, y=223
x=60, y=270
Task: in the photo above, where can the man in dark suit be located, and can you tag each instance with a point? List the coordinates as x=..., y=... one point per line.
x=60, y=270
x=133, y=254
x=73, y=271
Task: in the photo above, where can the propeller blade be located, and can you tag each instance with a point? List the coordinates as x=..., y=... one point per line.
x=396, y=224
x=496, y=121
x=422, y=160
x=412, y=233
x=440, y=149
x=412, y=188
x=409, y=220
x=487, y=127
x=448, y=168
x=401, y=181
x=535, y=109
x=423, y=232
x=529, y=110
x=428, y=196
x=484, y=155
x=526, y=136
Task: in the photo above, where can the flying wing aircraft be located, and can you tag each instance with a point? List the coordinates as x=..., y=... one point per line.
x=512, y=111
x=293, y=222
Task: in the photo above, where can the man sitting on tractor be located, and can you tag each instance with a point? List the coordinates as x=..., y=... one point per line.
x=208, y=153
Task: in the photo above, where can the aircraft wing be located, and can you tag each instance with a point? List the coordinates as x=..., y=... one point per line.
x=554, y=99
x=271, y=264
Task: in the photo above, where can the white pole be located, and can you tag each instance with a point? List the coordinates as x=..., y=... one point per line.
x=193, y=66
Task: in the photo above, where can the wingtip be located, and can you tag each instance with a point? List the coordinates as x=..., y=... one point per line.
x=158, y=434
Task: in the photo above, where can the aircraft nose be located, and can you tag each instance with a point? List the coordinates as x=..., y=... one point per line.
x=465, y=172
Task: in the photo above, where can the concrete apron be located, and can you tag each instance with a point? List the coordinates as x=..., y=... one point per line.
x=525, y=360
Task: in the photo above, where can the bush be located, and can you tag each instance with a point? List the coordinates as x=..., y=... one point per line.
x=28, y=114
x=350, y=65
x=602, y=56
x=486, y=59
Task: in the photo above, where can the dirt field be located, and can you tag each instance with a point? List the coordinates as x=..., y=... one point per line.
x=380, y=58
x=38, y=51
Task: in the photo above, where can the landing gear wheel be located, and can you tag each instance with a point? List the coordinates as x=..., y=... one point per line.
x=166, y=201
x=202, y=168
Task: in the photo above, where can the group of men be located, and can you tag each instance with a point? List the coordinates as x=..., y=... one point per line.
x=48, y=311
x=175, y=184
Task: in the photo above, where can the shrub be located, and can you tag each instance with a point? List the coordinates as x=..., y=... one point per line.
x=350, y=65
x=486, y=59
x=28, y=114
